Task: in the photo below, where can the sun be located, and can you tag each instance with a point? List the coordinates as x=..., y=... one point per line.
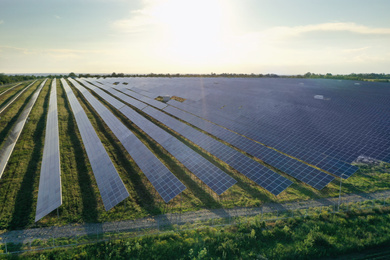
x=194, y=28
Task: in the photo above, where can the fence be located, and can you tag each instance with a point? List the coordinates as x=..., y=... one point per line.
x=56, y=237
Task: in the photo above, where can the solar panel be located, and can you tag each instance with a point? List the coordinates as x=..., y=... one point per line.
x=5, y=91
x=3, y=107
x=49, y=193
x=166, y=184
x=294, y=168
x=329, y=126
x=127, y=99
x=211, y=175
x=284, y=114
x=258, y=173
x=155, y=103
x=111, y=187
x=13, y=136
x=311, y=156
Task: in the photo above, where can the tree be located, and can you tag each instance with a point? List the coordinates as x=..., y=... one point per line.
x=72, y=75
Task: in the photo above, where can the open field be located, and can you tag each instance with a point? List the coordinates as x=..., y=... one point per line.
x=360, y=232
x=81, y=198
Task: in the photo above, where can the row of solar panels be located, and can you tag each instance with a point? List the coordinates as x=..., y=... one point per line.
x=110, y=185
x=350, y=121
x=294, y=168
x=165, y=182
x=9, y=144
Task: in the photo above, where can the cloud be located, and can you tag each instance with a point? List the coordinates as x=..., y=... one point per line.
x=327, y=27
x=139, y=20
x=54, y=53
x=57, y=17
x=1, y=21
x=356, y=50
x=16, y=50
x=137, y=23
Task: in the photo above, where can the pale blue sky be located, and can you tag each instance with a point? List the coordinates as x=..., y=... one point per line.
x=194, y=36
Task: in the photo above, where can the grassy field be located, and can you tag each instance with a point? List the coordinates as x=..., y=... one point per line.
x=6, y=87
x=81, y=198
x=357, y=234
x=7, y=96
x=18, y=186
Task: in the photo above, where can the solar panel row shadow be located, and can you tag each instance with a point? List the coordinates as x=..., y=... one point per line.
x=163, y=180
x=49, y=193
x=111, y=187
x=211, y=175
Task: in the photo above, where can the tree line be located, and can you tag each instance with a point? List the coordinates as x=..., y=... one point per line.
x=7, y=79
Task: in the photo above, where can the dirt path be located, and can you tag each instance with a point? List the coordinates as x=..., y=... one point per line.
x=23, y=236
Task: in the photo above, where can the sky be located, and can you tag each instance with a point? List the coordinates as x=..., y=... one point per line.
x=195, y=36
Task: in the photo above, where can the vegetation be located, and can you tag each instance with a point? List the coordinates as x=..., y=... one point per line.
x=8, y=79
x=349, y=234
x=378, y=77
x=19, y=182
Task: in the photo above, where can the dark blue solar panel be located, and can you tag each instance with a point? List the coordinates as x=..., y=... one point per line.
x=166, y=184
x=49, y=193
x=286, y=164
x=111, y=187
x=211, y=175
x=268, y=155
x=347, y=121
x=307, y=121
x=250, y=168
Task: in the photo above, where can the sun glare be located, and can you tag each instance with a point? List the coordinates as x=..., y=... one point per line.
x=194, y=28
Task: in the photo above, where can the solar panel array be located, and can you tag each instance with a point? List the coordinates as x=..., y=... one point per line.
x=13, y=136
x=166, y=184
x=111, y=187
x=211, y=175
x=348, y=121
x=255, y=171
x=252, y=130
x=281, y=121
x=329, y=125
x=294, y=168
x=49, y=193
x=312, y=157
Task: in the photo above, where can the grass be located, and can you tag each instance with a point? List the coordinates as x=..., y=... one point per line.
x=81, y=198
x=363, y=234
x=18, y=191
x=377, y=80
x=6, y=97
x=8, y=86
